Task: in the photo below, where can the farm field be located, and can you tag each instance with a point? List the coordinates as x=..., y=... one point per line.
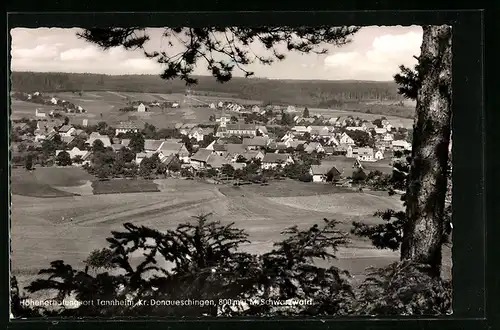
x=27, y=184
x=108, y=104
x=121, y=186
x=70, y=227
x=27, y=109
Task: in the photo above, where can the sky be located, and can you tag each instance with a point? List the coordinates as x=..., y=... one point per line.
x=375, y=53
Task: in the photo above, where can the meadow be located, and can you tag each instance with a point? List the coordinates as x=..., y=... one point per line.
x=120, y=186
x=69, y=227
x=105, y=106
x=25, y=183
x=22, y=109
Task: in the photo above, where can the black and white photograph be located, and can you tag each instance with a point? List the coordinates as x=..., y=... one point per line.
x=197, y=172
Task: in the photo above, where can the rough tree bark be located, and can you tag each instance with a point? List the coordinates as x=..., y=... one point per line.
x=425, y=198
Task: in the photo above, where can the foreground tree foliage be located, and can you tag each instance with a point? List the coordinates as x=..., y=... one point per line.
x=202, y=261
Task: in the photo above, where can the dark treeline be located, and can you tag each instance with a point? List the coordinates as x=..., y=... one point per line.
x=313, y=93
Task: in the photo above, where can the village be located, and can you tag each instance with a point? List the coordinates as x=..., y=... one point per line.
x=243, y=143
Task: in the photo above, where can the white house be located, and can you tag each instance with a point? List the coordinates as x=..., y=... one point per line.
x=272, y=160
x=321, y=172
x=356, y=128
x=74, y=153
x=212, y=106
x=175, y=105
x=301, y=129
x=379, y=155
x=79, y=108
x=380, y=130
x=346, y=139
x=314, y=146
x=139, y=157
x=222, y=120
x=199, y=133
x=211, y=145
x=287, y=137
x=401, y=145
x=220, y=104
x=365, y=154
x=96, y=136
x=388, y=138
x=126, y=127
x=53, y=100
x=200, y=158
x=262, y=130
x=141, y=108
x=332, y=141
x=67, y=130
x=172, y=148
x=40, y=114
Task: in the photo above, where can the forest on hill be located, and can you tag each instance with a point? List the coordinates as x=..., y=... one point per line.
x=311, y=93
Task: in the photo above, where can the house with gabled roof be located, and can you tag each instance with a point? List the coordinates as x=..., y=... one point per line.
x=96, y=136
x=301, y=129
x=324, y=173
x=314, y=146
x=401, y=145
x=296, y=143
x=126, y=127
x=256, y=143
x=240, y=129
x=216, y=162
x=199, y=133
x=200, y=158
x=346, y=139
x=234, y=149
x=172, y=148
x=249, y=155
x=152, y=145
x=272, y=160
x=67, y=139
x=66, y=130
x=77, y=153
x=262, y=130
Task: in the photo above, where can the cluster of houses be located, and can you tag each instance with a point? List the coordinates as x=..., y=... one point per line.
x=332, y=138
x=239, y=108
x=64, y=106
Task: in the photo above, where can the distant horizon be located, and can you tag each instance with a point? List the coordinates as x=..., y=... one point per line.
x=199, y=75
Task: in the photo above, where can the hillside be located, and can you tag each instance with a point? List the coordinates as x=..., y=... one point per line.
x=345, y=95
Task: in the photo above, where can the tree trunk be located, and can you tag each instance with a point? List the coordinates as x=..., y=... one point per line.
x=427, y=181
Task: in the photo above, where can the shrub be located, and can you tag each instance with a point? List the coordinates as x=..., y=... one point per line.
x=306, y=177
